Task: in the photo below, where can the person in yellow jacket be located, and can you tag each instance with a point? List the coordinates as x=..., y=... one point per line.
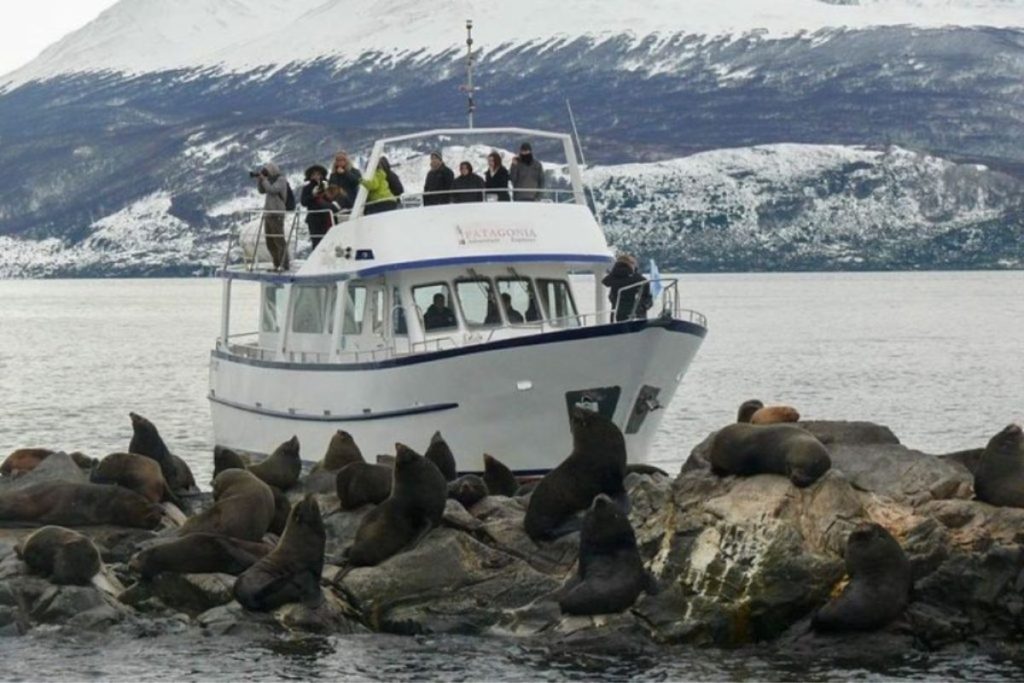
x=379, y=195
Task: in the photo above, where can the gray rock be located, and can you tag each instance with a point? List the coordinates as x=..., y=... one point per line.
x=233, y=619
x=341, y=527
x=191, y=594
x=331, y=615
x=56, y=467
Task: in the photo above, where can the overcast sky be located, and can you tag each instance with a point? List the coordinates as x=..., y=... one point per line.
x=28, y=26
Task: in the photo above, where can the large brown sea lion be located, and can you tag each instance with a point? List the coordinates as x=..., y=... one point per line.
x=198, y=554
x=226, y=459
x=416, y=505
x=291, y=572
x=361, y=483
x=770, y=415
x=61, y=555
x=440, y=454
x=745, y=449
x=146, y=441
x=879, y=588
x=136, y=472
x=499, y=478
x=282, y=467
x=611, y=574
x=23, y=460
x=596, y=465
x=243, y=508
x=341, y=451
x=999, y=477
x=69, y=504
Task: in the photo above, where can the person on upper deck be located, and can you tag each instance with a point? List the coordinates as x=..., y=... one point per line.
x=526, y=174
x=464, y=185
x=439, y=182
x=379, y=197
x=320, y=208
x=629, y=302
x=496, y=177
x=438, y=315
x=272, y=183
x=394, y=182
x=347, y=177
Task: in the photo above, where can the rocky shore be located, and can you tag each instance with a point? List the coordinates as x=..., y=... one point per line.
x=736, y=560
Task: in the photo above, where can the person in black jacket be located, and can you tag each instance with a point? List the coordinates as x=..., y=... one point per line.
x=320, y=216
x=347, y=177
x=496, y=177
x=439, y=182
x=634, y=301
x=465, y=183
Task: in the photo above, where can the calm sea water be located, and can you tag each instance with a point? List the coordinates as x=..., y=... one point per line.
x=939, y=357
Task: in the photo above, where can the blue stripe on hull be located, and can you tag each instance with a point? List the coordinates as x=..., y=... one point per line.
x=362, y=417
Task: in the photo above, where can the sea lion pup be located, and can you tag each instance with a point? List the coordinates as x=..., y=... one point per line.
x=747, y=410
x=282, y=467
x=24, y=460
x=198, y=554
x=61, y=555
x=226, y=459
x=341, y=451
x=415, y=506
x=469, y=489
x=243, y=508
x=999, y=477
x=291, y=572
x=770, y=415
x=499, y=478
x=745, y=449
x=596, y=465
x=879, y=587
x=361, y=483
x=70, y=504
x=440, y=454
x=136, y=472
x=146, y=441
x=611, y=574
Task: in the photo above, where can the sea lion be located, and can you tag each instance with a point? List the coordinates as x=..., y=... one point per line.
x=282, y=467
x=770, y=415
x=83, y=461
x=415, y=506
x=499, y=478
x=341, y=451
x=282, y=508
x=361, y=483
x=999, y=477
x=291, y=572
x=243, y=508
x=226, y=459
x=745, y=449
x=879, y=587
x=136, y=472
x=70, y=504
x=611, y=574
x=61, y=555
x=747, y=410
x=23, y=460
x=146, y=441
x=198, y=554
x=469, y=489
x=596, y=465
x=440, y=454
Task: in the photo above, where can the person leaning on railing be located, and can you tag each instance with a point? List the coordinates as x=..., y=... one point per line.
x=526, y=174
x=379, y=197
x=496, y=177
x=438, y=183
x=622, y=293
x=464, y=185
x=394, y=182
x=272, y=183
x=345, y=176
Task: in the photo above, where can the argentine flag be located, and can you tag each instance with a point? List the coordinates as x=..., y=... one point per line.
x=655, y=277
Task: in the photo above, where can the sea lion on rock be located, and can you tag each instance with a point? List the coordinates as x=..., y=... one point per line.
x=469, y=489
x=71, y=504
x=596, y=465
x=747, y=410
x=243, y=508
x=999, y=477
x=137, y=473
x=361, y=483
x=63, y=556
x=611, y=574
x=23, y=460
x=441, y=455
x=745, y=449
x=770, y=415
x=198, y=554
x=341, y=451
x=226, y=459
x=415, y=506
x=499, y=478
x=291, y=572
x=146, y=441
x=282, y=467
x=879, y=587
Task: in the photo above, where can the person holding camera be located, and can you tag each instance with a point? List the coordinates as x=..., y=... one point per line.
x=347, y=177
x=271, y=182
x=319, y=206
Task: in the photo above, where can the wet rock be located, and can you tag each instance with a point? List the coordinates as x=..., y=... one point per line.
x=331, y=615
x=191, y=594
x=58, y=467
x=502, y=528
x=83, y=607
x=232, y=619
x=341, y=527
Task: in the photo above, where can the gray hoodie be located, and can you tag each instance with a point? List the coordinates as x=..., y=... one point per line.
x=527, y=177
x=275, y=186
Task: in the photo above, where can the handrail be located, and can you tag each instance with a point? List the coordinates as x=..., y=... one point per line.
x=474, y=132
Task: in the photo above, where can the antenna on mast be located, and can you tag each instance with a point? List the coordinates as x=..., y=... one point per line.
x=468, y=87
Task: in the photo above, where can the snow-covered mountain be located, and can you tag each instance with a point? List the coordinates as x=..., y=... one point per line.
x=127, y=142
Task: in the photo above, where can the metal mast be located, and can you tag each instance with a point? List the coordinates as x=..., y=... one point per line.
x=471, y=105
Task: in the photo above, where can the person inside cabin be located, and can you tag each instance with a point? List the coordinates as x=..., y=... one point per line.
x=347, y=177
x=272, y=183
x=532, y=310
x=463, y=187
x=320, y=208
x=496, y=178
x=492, y=317
x=379, y=197
x=514, y=316
x=438, y=183
x=629, y=302
x=526, y=174
x=394, y=182
x=438, y=316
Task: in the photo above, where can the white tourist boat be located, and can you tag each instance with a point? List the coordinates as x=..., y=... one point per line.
x=345, y=340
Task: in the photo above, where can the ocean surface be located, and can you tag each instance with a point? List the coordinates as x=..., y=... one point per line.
x=938, y=357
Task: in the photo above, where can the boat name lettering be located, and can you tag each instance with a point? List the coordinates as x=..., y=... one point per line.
x=489, y=235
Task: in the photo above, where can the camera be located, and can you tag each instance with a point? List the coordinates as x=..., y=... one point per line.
x=257, y=174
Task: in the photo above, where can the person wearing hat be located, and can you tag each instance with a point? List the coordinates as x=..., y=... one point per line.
x=526, y=174
x=439, y=182
x=272, y=183
x=320, y=209
x=347, y=177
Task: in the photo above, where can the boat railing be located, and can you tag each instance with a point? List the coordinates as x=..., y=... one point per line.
x=250, y=244
x=488, y=195
x=668, y=294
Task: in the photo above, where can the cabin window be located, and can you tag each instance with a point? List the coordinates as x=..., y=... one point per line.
x=398, y=314
x=434, y=306
x=273, y=301
x=377, y=299
x=355, y=309
x=312, y=309
x=518, y=300
x=556, y=297
x=478, y=302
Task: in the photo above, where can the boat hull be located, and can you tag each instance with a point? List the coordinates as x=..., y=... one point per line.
x=509, y=398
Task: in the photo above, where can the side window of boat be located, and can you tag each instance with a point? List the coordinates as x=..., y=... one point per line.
x=398, y=325
x=556, y=296
x=355, y=309
x=312, y=308
x=478, y=302
x=273, y=302
x=519, y=300
x=377, y=301
x=440, y=317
